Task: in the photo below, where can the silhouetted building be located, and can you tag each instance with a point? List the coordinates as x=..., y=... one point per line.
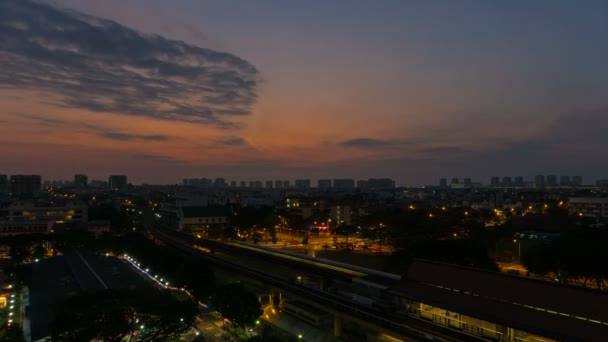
x=381, y=183
x=495, y=181
x=594, y=207
x=233, y=184
x=278, y=184
x=258, y=184
x=243, y=184
x=564, y=181
x=344, y=184
x=324, y=183
x=443, y=183
x=286, y=184
x=81, y=181
x=519, y=181
x=551, y=181
x=506, y=181
x=117, y=182
x=269, y=184
x=602, y=183
x=539, y=182
x=251, y=184
x=455, y=181
x=219, y=183
x=498, y=199
x=577, y=181
x=4, y=185
x=302, y=184
x=362, y=184
x=25, y=185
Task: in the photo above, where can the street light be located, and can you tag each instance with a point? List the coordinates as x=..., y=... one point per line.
x=518, y=249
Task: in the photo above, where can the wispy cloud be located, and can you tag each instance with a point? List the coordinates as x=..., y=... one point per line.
x=99, y=65
x=369, y=143
x=233, y=141
x=443, y=150
x=131, y=137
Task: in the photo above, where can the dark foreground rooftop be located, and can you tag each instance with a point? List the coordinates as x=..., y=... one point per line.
x=76, y=272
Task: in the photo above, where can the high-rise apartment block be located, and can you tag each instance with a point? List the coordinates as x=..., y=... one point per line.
x=81, y=181
x=344, y=184
x=25, y=185
x=302, y=183
x=117, y=182
x=4, y=185
x=539, y=182
x=324, y=183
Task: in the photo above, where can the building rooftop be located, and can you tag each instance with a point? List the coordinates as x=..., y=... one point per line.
x=553, y=310
x=206, y=211
x=76, y=272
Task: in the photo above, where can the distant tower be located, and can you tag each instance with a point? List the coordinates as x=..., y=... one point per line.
x=80, y=181
x=539, y=182
x=519, y=181
x=494, y=181
x=551, y=181
x=443, y=183
x=117, y=182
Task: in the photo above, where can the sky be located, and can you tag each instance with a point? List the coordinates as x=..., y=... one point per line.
x=255, y=90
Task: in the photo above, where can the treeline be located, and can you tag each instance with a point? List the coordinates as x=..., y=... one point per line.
x=468, y=253
x=577, y=257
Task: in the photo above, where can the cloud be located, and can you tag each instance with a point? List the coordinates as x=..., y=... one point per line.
x=579, y=127
x=158, y=159
x=233, y=141
x=443, y=150
x=99, y=65
x=130, y=137
x=367, y=143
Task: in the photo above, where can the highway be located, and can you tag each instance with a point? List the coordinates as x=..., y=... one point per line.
x=405, y=326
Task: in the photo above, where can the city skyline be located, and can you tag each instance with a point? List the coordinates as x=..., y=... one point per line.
x=411, y=91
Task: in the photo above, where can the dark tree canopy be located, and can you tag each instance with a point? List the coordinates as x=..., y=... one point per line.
x=238, y=304
x=114, y=314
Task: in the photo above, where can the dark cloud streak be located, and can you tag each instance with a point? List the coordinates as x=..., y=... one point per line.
x=99, y=65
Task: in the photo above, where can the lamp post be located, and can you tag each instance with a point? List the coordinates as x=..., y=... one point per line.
x=518, y=249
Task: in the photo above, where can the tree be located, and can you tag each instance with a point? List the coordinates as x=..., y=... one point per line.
x=39, y=252
x=19, y=253
x=115, y=314
x=238, y=304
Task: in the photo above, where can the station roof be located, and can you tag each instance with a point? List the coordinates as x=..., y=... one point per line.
x=536, y=306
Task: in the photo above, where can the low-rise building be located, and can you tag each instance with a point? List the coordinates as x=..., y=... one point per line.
x=589, y=207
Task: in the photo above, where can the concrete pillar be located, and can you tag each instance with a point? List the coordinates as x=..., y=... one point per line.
x=510, y=334
x=311, y=249
x=337, y=326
